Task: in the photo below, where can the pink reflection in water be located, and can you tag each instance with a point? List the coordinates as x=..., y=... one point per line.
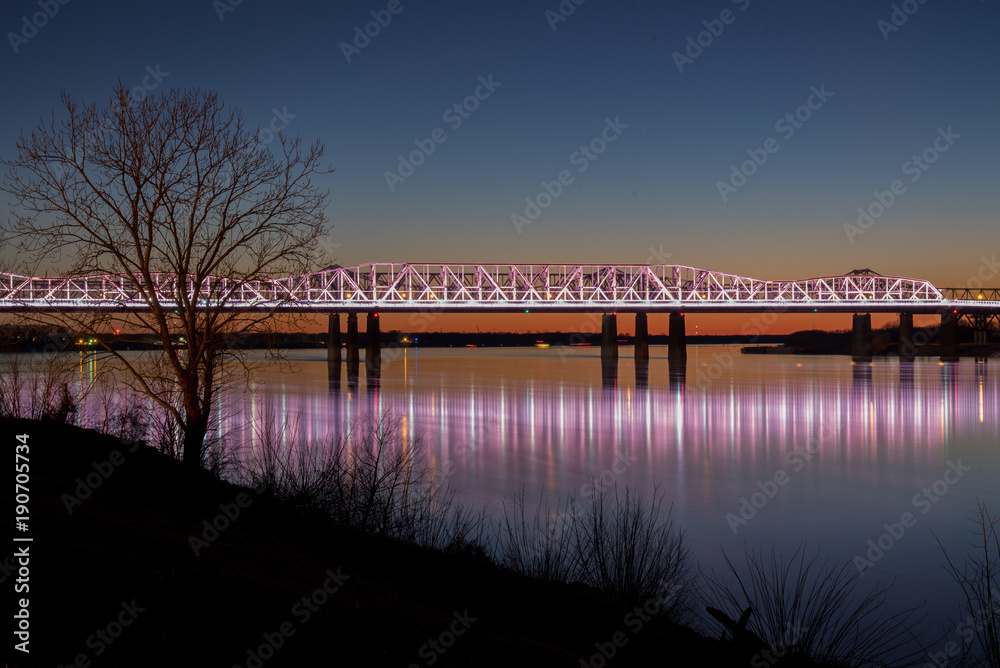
x=855, y=442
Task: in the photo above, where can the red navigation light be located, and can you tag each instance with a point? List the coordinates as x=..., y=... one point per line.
x=375, y=315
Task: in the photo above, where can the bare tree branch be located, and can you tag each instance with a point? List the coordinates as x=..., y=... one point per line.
x=178, y=184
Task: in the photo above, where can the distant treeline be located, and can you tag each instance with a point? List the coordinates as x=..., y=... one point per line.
x=884, y=339
x=16, y=338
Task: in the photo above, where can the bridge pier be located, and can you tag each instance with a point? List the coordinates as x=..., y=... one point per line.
x=948, y=337
x=677, y=348
x=641, y=351
x=906, y=349
x=609, y=336
x=353, y=356
x=373, y=350
x=980, y=329
x=861, y=338
x=333, y=352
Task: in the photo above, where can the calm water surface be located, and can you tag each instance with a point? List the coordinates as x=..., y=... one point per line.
x=810, y=448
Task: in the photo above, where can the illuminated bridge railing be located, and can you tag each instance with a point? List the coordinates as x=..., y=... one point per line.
x=489, y=287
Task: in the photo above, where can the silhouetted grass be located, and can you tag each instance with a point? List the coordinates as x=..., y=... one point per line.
x=535, y=543
x=620, y=545
x=36, y=387
x=371, y=479
x=628, y=550
x=979, y=578
x=802, y=609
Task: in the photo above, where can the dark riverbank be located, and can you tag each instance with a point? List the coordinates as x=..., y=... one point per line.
x=115, y=580
x=885, y=341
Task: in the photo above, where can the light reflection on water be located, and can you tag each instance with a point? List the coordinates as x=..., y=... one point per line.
x=502, y=420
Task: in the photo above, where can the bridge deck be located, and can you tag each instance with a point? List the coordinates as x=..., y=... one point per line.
x=506, y=288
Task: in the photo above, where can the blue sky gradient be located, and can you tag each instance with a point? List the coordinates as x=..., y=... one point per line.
x=652, y=195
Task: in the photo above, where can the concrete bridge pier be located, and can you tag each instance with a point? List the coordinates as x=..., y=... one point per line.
x=906, y=349
x=373, y=350
x=948, y=337
x=353, y=357
x=861, y=338
x=980, y=329
x=609, y=350
x=641, y=338
x=677, y=348
x=333, y=353
x=609, y=337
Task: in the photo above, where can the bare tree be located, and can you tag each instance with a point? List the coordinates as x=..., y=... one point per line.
x=175, y=183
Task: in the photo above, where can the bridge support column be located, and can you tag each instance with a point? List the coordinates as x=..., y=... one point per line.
x=948, y=337
x=677, y=348
x=861, y=338
x=609, y=337
x=980, y=329
x=906, y=349
x=641, y=352
x=333, y=352
x=609, y=350
x=373, y=350
x=352, y=348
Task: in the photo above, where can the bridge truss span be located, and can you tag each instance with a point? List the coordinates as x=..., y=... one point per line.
x=472, y=287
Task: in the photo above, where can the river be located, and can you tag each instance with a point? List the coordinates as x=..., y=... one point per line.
x=753, y=451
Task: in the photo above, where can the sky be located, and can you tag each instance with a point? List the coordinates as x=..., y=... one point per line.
x=734, y=135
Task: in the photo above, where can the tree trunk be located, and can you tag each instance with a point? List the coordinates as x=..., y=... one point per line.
x=194, y=438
